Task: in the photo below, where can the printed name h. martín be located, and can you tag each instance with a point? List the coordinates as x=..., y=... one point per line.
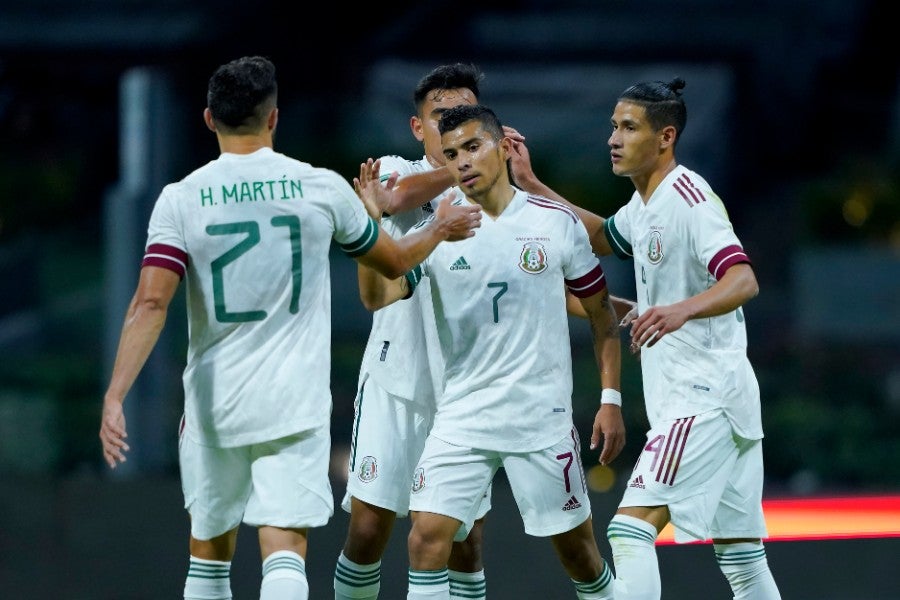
x=253, y=191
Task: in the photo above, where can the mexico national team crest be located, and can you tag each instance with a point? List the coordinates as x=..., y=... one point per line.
x=533, y=258
x=418, y=481
x=654, y=248
x=368, y=469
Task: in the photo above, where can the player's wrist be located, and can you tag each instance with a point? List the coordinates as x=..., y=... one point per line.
x=611, y=396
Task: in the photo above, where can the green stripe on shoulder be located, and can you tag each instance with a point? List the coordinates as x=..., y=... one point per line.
x=364, y=243
x=617, y=241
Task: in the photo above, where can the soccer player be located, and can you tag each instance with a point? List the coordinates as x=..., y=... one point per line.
x=401, y=371
x=250, y=233
x=499, y=301
x=702, y=465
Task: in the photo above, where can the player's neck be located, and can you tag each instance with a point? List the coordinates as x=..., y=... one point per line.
x=646, y=184
x=497, y=199
x=244, y=144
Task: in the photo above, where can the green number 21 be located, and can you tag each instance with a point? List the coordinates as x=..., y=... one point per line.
x=496, y=299
x=250, y=229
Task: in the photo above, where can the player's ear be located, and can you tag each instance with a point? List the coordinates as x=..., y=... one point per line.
x=505, y=146
x=667, y=136
x=273, y=119
x=415, y=124
x=208, y=119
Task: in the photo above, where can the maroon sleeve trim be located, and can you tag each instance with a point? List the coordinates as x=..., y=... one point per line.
x=588, y=285
x=725, y=258
x=167, y=257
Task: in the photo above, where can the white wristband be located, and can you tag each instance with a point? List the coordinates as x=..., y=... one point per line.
x=611, y=396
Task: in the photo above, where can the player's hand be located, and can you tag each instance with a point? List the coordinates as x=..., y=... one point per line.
x=374, y=195
x=113, y=433
x=513, y=134
x=656, y=322
x=609, y=425
x=457, y=221
x=625, y=322
x=520, y=163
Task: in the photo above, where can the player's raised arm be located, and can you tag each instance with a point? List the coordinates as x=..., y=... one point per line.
x=451, y=222
x=524, y=177
x=413, y=190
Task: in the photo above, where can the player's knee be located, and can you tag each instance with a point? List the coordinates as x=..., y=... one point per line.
x=428, y=546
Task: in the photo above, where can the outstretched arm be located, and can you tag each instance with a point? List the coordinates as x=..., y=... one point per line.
x=394, y=258
x=737, y=286
x=524, y=177
x=415, y=189
x=608, y=423
x=377, y=288
x=144, y=321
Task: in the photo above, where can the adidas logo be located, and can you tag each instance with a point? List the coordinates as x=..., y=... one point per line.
x=572, y=504
x=460, y=265
x=638, y=482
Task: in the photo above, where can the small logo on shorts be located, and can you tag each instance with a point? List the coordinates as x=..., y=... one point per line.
x=418, y=480
x=572, y=504
x=638, y=482
x=368, y=469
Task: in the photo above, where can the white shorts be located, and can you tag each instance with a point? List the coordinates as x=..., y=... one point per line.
x=710, y=479
x=282, y=483
x=388, y=437
x=548, y=485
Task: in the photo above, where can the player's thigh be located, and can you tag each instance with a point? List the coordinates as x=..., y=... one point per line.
x=388, y=436
x=549, y=487
x=291, y=488
x=452, y=480
x=685, y=464
x=216, y=484
x=739, y=515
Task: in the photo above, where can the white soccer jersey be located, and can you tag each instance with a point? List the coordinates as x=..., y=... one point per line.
x=251, y=234
x=402, y=354
x=499, y=301
x=682, y=242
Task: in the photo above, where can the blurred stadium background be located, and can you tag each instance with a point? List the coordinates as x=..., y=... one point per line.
x=794, y=117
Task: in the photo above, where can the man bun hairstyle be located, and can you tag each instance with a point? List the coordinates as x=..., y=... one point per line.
x=662, y=101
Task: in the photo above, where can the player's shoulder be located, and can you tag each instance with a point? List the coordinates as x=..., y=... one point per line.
x=403, y=166
x=549, y=208
x=687, y=190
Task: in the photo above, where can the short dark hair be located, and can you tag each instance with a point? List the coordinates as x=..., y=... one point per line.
x=242, y=92
x=447, y=77
x=456, y=116
x=662, y=101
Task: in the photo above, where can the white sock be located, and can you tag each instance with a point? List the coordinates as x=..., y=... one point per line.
x=356, y=582
x=284, y=577
x=745, y=567
x=428, y=585
x=470, y=586
x=601, y=588
x=634, y=554
x=208, y=580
